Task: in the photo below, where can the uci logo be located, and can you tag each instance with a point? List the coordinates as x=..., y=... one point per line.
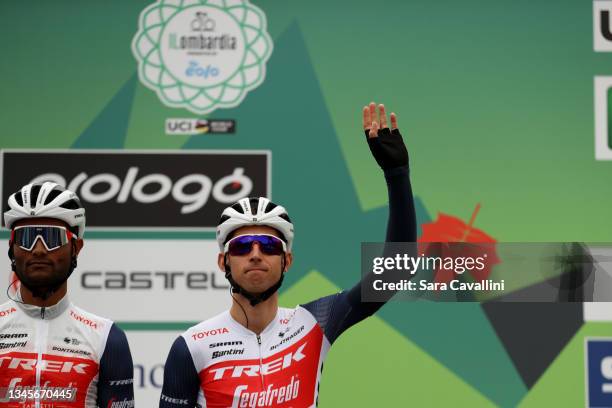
x=599, y=372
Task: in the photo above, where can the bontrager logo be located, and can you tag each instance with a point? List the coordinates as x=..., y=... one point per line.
x=73, y=351
x=288, y=338
x=30, y=364
x=84, y=320
x=205, y=333
x=268, y=368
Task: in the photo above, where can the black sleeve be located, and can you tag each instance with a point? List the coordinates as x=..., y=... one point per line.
x=116, y=376
x=181, y=381
x=338, y=312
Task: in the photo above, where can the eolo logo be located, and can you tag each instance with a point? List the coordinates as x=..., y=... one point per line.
x=202, y=55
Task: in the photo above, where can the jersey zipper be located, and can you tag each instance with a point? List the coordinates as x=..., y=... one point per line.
x=42, y=330
x=261, y=375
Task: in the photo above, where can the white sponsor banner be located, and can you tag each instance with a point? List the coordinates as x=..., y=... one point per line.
x=602, y=33
x=602, y=149
x=149, y=352
x=601, y=310
x=150, y=280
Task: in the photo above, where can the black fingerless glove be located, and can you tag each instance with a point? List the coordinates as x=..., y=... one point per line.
x=388, y=148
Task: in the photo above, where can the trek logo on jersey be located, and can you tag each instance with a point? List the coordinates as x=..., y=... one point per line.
x=205, y=333
x=134, y=189
x=599, y=372
x=272, y=396
x=31, y=364
x=603, y=130
x=85, y=321
x=7, y=311
x=602, y=28
x=253, y=370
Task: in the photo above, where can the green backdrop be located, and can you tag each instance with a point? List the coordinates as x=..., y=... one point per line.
x=495, y=101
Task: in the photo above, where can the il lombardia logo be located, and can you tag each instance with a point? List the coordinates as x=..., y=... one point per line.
x=202, y=55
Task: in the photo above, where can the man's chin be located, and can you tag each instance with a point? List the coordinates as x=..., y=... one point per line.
x=42, y=279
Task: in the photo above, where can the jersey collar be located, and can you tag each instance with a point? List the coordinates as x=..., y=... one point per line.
x=50, y=312
x=272, y=327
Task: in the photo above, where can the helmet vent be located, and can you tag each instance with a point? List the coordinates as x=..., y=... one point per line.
x=238, y=208
x=71, y=205
x=51, y=196
x=34, y=194
x=19, y=198
x=270, y=207
x=253, y=202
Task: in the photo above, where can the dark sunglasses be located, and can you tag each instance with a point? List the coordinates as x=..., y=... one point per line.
x=243, y=244
x=52, y=236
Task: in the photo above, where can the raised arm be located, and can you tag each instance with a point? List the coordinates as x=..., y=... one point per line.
x=338, y=312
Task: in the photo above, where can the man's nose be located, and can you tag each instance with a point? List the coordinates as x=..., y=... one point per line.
x=39, y=247
x=255, y=250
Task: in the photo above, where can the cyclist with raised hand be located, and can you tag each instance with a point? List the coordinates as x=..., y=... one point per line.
x=258, y=354
x=52, y=353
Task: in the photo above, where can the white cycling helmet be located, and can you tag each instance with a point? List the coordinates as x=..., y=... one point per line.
x=48, y=200
x=254, y=211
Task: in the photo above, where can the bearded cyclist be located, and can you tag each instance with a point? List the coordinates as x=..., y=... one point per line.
x=257, y=354
x=52, y=353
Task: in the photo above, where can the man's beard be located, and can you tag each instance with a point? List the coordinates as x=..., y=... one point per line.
x=45, y=287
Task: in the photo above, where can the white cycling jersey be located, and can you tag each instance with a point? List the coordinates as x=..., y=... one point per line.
x=61, y=356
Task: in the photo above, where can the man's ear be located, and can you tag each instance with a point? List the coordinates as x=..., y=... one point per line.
x=221, y=261
x=78, y=245
x=288, y=260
